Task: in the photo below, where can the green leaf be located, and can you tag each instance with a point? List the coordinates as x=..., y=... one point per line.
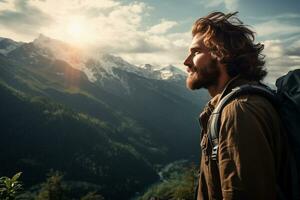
x=16, y=176
x=7, y=183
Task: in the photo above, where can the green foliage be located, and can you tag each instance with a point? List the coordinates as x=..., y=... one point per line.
x=10, y=187
x=92, y=196
x=55, y=189
x=179, y=186
x=103, y=135
x=52, y=189
x=82, y=146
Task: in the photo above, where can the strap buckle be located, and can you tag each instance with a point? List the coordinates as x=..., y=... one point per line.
x=214, y=152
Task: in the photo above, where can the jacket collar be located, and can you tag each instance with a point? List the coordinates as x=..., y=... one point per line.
x=210, y=106
x=233, y=83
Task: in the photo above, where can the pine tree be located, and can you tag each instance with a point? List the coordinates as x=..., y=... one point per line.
x=52, y=189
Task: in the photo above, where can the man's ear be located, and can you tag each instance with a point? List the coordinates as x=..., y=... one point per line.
x=216, y=56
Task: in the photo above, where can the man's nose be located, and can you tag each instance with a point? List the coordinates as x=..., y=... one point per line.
x=188, y=61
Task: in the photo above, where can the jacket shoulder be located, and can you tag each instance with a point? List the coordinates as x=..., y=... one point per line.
x=249, y=103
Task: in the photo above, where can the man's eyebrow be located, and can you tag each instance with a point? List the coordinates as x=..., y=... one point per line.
x=196, y=49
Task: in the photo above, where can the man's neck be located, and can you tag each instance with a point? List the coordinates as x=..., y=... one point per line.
x=217, y=88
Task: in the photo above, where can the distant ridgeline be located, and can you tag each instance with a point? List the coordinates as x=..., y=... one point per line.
x=100, y=121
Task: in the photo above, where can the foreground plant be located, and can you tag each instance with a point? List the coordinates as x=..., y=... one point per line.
x=10, y=187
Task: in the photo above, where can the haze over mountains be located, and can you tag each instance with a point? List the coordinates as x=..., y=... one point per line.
x=97, y=118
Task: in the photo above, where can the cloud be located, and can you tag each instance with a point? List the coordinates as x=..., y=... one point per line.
x=294, y=49
x=24, y=18
x=276, y=17
x=280, y=58
x=213, y=3
x=283, y=47
x=280, y=53
x=163, y=27
x=275, y=28
x=230, y=5
x=173, y=49
x=106, y=25
x=274, y=49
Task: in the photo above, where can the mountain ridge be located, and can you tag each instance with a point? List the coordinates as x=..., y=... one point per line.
x=77, y=58
x=151, y=117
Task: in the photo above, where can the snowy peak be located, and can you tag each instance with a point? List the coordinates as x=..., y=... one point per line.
x=100, y=65
x=47, y=42
x=111, y=61
x=148, y=67
x=172, y=70
x=115, y=60
x=59, y=50
x=169, y=72
x=96, y=65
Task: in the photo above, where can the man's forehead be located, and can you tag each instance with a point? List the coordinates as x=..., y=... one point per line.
x=197, y=41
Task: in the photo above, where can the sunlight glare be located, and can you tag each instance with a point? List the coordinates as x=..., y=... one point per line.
x=75, y=30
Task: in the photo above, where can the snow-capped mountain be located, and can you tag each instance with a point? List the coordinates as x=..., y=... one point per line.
x=96, y=66
x=148, y=67
x=146, y=112
x=169, y=72
x=56, y=49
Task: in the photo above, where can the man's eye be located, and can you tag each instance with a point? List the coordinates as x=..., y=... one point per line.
x=196, y=52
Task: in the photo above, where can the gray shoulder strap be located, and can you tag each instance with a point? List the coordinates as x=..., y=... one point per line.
x=215, y=118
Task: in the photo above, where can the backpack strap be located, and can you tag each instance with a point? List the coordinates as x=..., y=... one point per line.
x=215, y=118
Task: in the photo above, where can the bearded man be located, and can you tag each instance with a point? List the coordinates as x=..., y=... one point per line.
x=250, y=161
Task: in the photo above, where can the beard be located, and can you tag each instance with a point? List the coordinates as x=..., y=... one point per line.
x=204, y=76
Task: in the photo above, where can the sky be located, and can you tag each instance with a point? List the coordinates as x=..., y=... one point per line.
x=157, y=32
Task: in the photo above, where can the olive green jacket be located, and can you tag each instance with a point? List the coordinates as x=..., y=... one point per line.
x=251, y=156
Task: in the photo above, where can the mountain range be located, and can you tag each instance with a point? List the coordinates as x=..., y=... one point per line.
x=94, y=116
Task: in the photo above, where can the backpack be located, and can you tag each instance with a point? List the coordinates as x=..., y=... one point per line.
x=286, y=101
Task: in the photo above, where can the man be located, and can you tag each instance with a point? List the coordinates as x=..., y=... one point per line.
x=251, y=160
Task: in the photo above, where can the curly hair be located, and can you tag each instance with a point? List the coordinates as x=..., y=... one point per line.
x=232, y=43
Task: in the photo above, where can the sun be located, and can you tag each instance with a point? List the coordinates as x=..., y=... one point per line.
x=75, y=30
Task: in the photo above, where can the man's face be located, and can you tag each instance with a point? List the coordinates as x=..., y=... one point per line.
x=203, y=70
